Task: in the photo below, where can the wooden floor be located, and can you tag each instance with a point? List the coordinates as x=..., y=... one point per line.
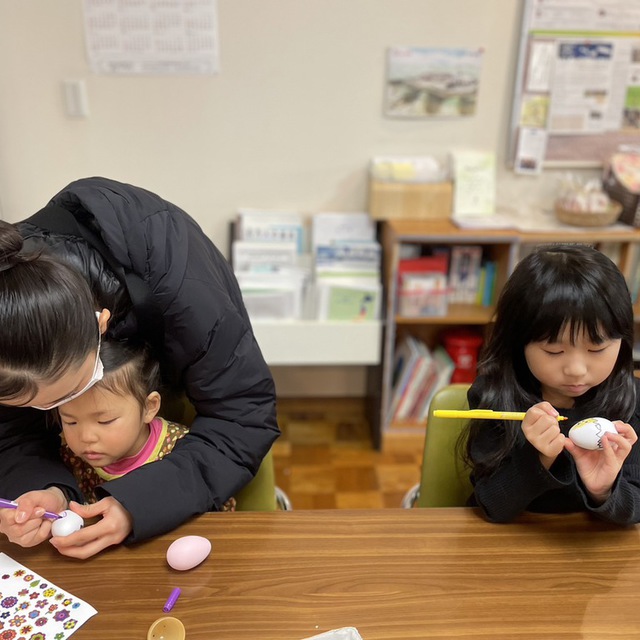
x=325, y=460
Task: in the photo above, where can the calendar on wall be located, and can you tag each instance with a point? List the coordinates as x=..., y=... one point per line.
x=577, y=89
x=145, y=37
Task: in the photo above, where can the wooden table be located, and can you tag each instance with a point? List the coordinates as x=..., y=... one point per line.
x=392, y=574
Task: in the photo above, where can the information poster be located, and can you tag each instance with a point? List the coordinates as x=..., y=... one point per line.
x=577, y=94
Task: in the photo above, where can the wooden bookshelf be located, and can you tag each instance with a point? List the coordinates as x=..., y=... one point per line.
x=504, y=247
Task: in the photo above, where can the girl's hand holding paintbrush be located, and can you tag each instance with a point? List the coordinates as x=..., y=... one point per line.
x=541, y=428
x=539, y=425
x=27, y=524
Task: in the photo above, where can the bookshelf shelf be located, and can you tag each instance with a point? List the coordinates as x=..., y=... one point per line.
x=504, y=247
x=456, y=314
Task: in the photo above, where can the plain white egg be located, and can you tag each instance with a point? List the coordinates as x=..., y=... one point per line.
x=68, y=523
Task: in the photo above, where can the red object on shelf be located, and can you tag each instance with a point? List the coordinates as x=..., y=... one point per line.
x=463, y=346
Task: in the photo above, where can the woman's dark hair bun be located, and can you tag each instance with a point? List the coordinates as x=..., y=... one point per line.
x=11, y=243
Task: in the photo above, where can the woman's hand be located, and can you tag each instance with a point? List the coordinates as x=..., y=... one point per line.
x=113, y=527
x=600, y=468
x=541, y=429
x=25, y=525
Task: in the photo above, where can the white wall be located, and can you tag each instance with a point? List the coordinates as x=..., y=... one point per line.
x=290, y=122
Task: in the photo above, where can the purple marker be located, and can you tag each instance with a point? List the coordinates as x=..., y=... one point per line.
x=9, y=504
x=171, y=600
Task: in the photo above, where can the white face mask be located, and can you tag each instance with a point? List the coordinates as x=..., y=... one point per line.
x=98, y=373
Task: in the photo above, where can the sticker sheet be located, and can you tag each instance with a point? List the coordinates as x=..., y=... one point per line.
x=32, y=608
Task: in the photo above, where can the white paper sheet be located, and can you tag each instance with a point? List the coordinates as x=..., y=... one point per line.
x=31, y=606
x=475, y=183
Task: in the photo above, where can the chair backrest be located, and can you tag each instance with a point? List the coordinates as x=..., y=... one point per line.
x=260, y=493
x=445, y=479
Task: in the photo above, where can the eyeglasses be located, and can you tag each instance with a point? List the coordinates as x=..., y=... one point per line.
x=96, y=376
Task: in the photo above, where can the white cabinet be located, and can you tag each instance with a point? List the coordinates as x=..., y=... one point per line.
x=312, y=342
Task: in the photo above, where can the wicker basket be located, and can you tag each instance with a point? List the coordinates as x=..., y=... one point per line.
x=589, y=218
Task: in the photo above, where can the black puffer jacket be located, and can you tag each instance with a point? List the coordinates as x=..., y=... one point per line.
x=208, y=345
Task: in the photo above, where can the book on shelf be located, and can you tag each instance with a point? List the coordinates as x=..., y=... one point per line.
x=486, y=284
x=425, y=393
x=269, y=257
x=415, y=412
x=273, y=278
x=423, y=289
x=634, y=276
x=438, y=263
x=256, y=225
x=347, y=281
x=423, y=295
x=269, y=296
x=444, y=370
x=464, y=273
x=348, y=299
x=348, y=259
x=420, y=376
x=407, y=355
x=329, y=228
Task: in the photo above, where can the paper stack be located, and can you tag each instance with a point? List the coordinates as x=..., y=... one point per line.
x=347, y=262
x=270, y=264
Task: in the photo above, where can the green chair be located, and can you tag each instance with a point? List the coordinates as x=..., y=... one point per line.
x=261, y=494
x=445, y=479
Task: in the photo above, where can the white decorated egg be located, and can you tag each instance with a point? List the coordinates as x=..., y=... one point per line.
x=188, y=552
x=588, y=432
x=68, y=523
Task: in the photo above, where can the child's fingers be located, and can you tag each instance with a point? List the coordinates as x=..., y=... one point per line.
x=87, y=511
x=619, y=438
x=627, y=431
x=615, y=449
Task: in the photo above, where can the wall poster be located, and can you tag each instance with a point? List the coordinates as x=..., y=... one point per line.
x=577, y=90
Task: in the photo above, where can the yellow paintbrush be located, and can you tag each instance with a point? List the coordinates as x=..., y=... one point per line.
x=483, y=414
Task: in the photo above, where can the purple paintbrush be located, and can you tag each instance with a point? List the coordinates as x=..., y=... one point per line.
x=9, y=504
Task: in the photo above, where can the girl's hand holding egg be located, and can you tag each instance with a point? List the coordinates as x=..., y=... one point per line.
x=599, y=457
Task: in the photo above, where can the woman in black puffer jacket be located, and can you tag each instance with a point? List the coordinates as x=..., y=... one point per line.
x=153, y=276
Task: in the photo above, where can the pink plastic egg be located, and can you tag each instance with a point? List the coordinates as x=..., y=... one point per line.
x=188, y=552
